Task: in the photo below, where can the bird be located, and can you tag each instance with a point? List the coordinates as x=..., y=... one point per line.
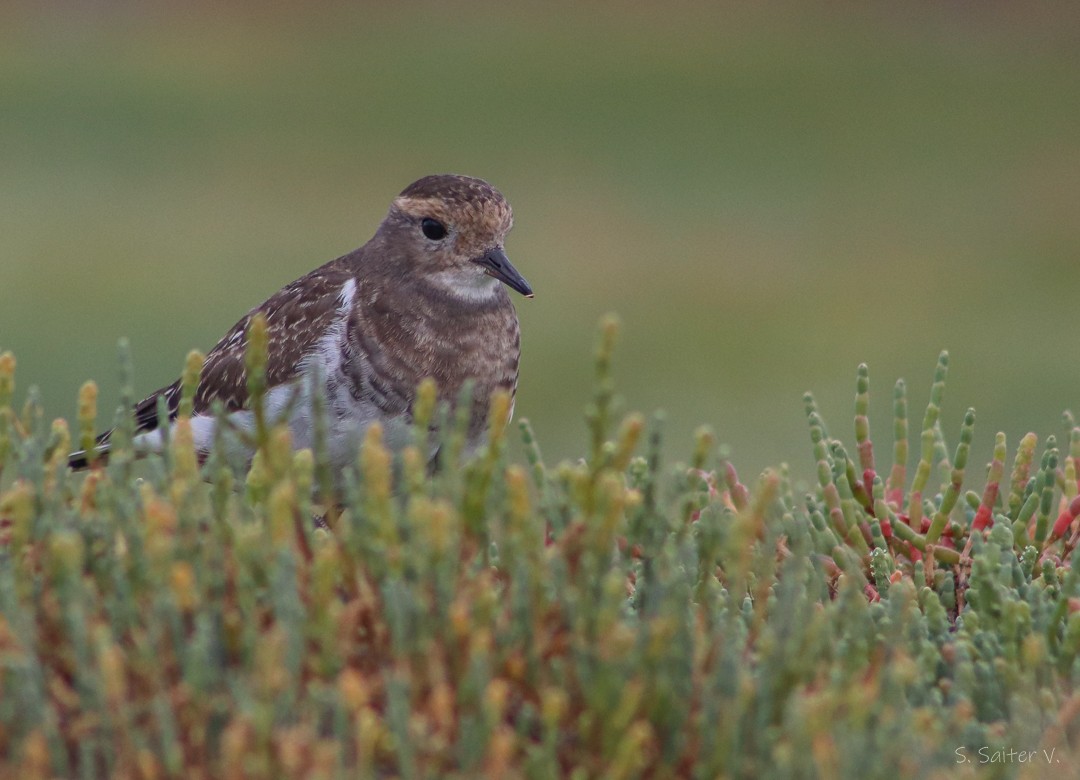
x=425, y=297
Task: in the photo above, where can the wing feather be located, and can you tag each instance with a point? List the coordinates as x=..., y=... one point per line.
x=296, y=316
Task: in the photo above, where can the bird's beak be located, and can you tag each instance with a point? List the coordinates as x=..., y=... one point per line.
x=497, y=265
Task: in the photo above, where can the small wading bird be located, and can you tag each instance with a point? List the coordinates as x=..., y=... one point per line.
x=421, y=299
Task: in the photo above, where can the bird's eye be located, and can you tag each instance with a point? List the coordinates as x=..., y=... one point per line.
x=433, y=229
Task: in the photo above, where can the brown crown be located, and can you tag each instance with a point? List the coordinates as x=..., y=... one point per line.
x=453, y=188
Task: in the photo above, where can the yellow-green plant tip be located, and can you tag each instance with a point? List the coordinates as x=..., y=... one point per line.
x=967, y=432
x=255, y=357
x=7, y=379
x=864, y=446
x=257, y=342
x=61, y=435
x=533, y=454
x=518, y=494
x=1046, y=486
x=627, y=439
x=279, y=451
x=185, y=461
x=1074, y=443
x=189, y=382
x=17, y=506
x=952, y=491
x=303, y=469
x=183, y=582
x=862, y=428
x=414, y=470
x=112, y=668
x=65, y=554
x=704, y=443
x=1025, y=452
x=258, y=479
x=87, y=418
x=599, y=413
x=898, y=473
x=937, y=392
x=922, y=470
x=499, y=415
x=281, y=512
x=375, y=468
x=424, y=405
x=612, y=489
x=609, y=330
x=440, y=523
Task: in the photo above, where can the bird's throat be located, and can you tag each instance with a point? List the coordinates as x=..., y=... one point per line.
x=465, y=285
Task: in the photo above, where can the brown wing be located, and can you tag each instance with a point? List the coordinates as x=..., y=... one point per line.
x=296, y=316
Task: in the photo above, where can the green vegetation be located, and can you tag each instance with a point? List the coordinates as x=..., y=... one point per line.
x=611, y=617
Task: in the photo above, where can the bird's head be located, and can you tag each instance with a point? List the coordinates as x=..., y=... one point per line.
x=451, y=230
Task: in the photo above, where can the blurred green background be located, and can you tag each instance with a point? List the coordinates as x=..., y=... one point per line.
x=767, y=195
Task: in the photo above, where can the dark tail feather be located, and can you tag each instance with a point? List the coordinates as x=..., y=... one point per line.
x=146, y=419
x=80, y=460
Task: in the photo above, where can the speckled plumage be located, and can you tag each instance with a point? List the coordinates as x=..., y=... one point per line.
x=374, y=323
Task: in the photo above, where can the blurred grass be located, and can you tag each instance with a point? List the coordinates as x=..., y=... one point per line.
x=767, y=195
